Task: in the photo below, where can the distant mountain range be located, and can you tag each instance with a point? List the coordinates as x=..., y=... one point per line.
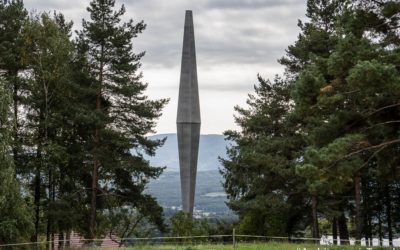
x=210, y=196
x=211, y=147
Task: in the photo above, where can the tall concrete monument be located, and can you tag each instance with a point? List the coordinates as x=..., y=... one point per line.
x=188, y=118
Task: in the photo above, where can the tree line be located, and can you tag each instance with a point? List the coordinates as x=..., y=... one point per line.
x=318, y=150
x=73, y=123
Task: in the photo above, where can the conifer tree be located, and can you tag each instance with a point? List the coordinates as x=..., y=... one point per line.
x=49, y=52
x=337, y=91
x=262, y=158
x=344, y=74
x=122, y=114
x=12, y=62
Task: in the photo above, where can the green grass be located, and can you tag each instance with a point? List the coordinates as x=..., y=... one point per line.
x=250, y=246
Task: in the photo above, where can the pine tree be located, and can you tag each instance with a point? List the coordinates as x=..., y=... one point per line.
x=122, y=114
x=48, y=57
x=348, y=91
x=344, y=75
x=260, y=172
x=12, y=19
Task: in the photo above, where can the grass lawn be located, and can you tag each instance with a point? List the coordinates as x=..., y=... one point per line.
x=253, y=246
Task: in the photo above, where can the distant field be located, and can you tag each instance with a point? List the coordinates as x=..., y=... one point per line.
x=255, y=246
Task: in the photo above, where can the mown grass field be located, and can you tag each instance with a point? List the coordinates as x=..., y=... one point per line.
x=252, y=246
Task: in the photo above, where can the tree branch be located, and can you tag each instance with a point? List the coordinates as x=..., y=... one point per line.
x=380, y=146
x=113, y=239
x=382, y=123
x=382, y=108
x=136, y=223
x=384, y=144
x=373, y=155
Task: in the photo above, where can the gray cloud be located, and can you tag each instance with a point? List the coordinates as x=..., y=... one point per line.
x=235, y=40
x=222, y=34
x=251, y=4
x=51, y=5
x=235, y=31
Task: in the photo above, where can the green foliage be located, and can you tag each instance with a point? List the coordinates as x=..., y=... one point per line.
x=307, y=89
x=372, y=77
x=127, y=222
x=328, y=169
x=342, y=111
x=12, y=18
x=359, y=81
x=15, y=221
x=262, y=159
x=57, y=130
x=183, y=224
x=119, y=116
x=253, y=245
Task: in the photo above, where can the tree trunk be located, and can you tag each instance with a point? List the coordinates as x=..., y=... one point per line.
x=52, y=240
x=37, y=204
x=388, y=205
x=357, y=182
x=37, y=197
x=367, y=208
x=68, y=239
x=368, y=225
x=96, y=162
x=39, y=157
x=49, y=219
x=315, y=231
x=53, y=199
x=343, y=231
x=380, y=233
x=60, y=240
x=334, y=230
x=48, y=233
x=15, y=108
x=49, y=230
x=93, y=201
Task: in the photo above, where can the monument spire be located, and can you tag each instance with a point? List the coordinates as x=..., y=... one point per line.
x=188, y=117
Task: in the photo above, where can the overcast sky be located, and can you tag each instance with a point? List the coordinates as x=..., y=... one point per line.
x=235, y=40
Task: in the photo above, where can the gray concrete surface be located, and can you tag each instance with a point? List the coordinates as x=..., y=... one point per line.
x=188, y=117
